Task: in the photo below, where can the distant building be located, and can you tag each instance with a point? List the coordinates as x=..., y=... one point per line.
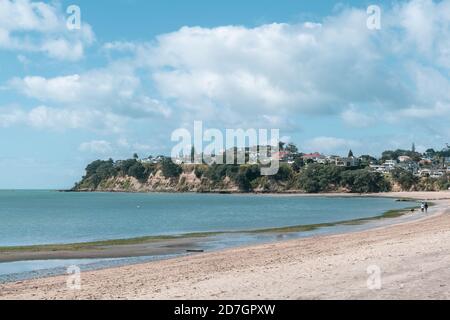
x=404, y=159
x=390, y=163
x=152, y=160
x=411, y=166
x=386, y=167
x=283, y=156
x=323, y=161
x=432, y=172
x=347, y=162
x=313, y=156
x=146, y=160
x=425, y=162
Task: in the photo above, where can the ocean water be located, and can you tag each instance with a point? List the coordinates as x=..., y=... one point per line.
x=50, y=217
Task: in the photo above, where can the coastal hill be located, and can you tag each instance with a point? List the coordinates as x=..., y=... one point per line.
x=313, y=173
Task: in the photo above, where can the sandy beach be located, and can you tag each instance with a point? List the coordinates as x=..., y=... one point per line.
x=413, y=259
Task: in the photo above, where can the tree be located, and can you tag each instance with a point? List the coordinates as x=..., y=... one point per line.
x=393, y=155
x=135, y=156
x=364, y=181
x=443, y=182
x=298, y=163
x=125, y=165
x=92, y=168
x=318, y=178
x=218, y=172
x=292, y=148
x=96, y=172
x=199, y=171
x=406, y=179
x=170, y=169
x=366, y=160
x=138, y=171
x=284, y=173
x=246, y=175
x=388, y=155
x=350, y=154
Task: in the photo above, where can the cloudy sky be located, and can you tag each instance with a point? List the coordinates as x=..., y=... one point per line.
x=136, y=70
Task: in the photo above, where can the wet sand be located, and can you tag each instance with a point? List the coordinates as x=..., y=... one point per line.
x=413, y=257
x=154, y=248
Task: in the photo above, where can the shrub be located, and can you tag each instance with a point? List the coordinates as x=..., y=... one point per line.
x=319, y=178
x=443, y=183
x=138, y=171
x=170, y=169
x=405, y=179
x=246, y=175
x=199, y=171
x=284, y=173
x=364, y=181
x=217, y=172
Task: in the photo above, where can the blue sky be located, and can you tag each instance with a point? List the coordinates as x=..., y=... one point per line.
x=138, y=69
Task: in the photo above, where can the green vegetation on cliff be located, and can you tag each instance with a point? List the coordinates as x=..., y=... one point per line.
x=312, y=178
x=297, y=173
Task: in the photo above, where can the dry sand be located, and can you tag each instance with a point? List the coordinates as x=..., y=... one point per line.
x=413, y=257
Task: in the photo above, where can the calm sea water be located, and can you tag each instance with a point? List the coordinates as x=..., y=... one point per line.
x=49, y=217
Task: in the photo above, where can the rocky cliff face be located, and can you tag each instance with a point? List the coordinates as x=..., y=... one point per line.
x=186, y=182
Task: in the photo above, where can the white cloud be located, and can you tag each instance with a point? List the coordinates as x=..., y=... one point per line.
x=59, y=89
x=237, y=74
x=357, y=119
x=263, y=69
x=10, y=116
x=423, y=113
x=273, y=74
x=23, y=59
x=329, y=144
x=143, y=147
x=425, y=27
x=115, y=89
x=44, y=117
x=96, y=146
x=121, y=146
x=123, y=142
x=120, y=46
x=39, y=27
x=276, y=69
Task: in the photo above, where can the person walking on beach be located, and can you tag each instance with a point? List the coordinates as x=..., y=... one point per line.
x=426, y=207
x=422, y=207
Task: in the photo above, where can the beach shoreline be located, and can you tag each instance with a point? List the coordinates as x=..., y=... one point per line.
x=282, y=270
x=163, y=245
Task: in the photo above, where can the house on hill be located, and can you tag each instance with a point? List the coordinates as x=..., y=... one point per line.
x=313, y=156
x=347, y=162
